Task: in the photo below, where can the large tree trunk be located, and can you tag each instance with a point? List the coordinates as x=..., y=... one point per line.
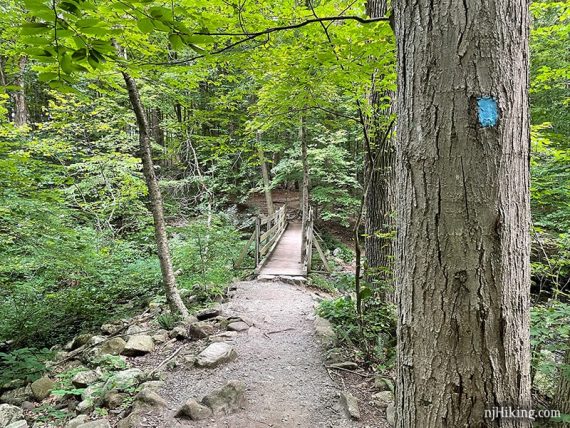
x=463, y=275
x=380, y=198
x=155, y=196
x=265, y=175
x=20, y=106
x=563, y=391
x=306, y=182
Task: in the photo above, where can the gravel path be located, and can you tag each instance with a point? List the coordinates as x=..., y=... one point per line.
x=279, y=359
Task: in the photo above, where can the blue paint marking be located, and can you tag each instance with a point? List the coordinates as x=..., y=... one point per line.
x=488, y=111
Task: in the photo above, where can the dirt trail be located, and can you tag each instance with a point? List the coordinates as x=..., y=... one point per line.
x=279, y=359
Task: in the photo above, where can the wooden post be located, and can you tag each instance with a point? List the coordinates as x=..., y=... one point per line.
x=257, y=243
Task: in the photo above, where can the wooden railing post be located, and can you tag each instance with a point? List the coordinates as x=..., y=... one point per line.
x=257, y=240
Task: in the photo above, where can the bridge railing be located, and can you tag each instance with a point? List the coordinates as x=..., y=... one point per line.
x=310, y=241
x=267, y=232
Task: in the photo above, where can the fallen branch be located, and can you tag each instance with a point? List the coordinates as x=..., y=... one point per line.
x=349, y=371
x=166, y=360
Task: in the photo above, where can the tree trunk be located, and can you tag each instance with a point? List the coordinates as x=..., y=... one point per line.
x=563, y=391
x=155, y=196
x=265, y=174
x=463, y=271
x=380, y=198
x=306, y=183
x=20, y=107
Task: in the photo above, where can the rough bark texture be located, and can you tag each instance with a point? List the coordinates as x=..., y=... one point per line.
x=306, y=184
x=563, y=391
x=155, y=196
x=380, y=198
x=20, y=107
x=266, y=181
x=462, y=277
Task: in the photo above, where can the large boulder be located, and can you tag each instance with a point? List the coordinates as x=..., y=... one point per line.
x=42, y=388
x=228, y=399
x=149, y=398
x=216, y=354
x=325, y=331
x=383, y=399
x=9, y=414
x=78, y=342
x=194, y=410
x=114, y=346
x=139, y=344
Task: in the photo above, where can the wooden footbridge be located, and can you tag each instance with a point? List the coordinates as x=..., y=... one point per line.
x=281, y=248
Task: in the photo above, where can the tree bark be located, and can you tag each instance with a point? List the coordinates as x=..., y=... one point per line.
x=463, y=271
x=155, y=196
x=306, y=182
x=265, y=174
x=380, y=198
x=21, y=117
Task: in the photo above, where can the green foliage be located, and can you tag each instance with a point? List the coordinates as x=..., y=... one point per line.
x=24, y=363
x=167, y=320
x=373, y=336
x=550, y=331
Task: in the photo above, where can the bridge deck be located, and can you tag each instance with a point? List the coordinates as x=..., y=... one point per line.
x=286, y=258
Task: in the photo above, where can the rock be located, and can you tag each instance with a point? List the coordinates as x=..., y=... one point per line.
x=179, y=332
x=350, y=403
x=42, y=387
x=344, y=365
x=383, y=399
x=85, y=406
x=78, y=342
x=216, y=354
x=79, y=420
x=225, y=336
x=124, y=379
x=201, y=329
x=325, y=331
x=9, y=414
x=100, y=423
x=134, y=330
x=149, y=398
x=17, y=396
x=131, y=421
x=96, y=340
x=18, y=424
x=114, y=346
x=110, y=329
x=27, y=405
x=92, y=392
x=152, y=385
x=194, y=410
x=113, y=399
x=228, y=399
x=85, y=378
x=238, y=326
x=391, y=415
x=335, y=355
x=209, y=313
x=382, y=383
x=138, y=345
x=160, y=337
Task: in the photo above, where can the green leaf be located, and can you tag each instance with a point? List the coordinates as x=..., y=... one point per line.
x=48, y=76
x=79, y=54
x=30, y=28
x=176, y=41
x=145, y=25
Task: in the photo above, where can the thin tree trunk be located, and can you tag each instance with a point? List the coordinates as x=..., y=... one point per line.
x=20, y=106
x=265, y=174
x=463, y=271
x=155, y=196
x=563, y=391
x=380, y=198
x=306, y=182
